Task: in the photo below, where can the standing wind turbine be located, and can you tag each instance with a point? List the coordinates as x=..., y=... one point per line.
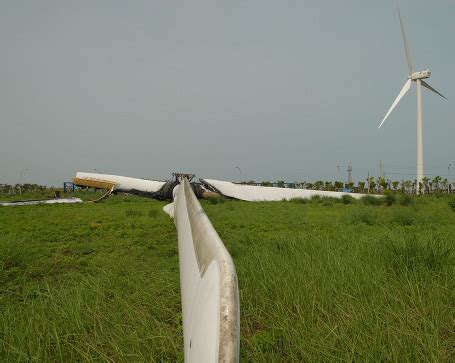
x=417, y=77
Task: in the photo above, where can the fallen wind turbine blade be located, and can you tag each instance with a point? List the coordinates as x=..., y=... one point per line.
x=405, y=42
x=403, y=91
x=425, y=84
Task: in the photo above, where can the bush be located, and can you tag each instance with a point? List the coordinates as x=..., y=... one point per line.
x=347, y=199
x=389, y=199
x=328, y=201
x=215, y=199
x=418, y=256
x=364, y=217
x=153, y=213
x=133, y=213
x=406, y=200
x=452, y=204
x=371, y=200
x=403, y=219
x=299, y=200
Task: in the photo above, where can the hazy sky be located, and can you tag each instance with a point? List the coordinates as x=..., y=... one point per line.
x=282, y=89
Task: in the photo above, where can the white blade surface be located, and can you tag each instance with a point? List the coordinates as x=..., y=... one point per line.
x=123, y=182
x=252, y=193
x=425, y=84
x=405, y=42
x=403, y=91
x=208, y=282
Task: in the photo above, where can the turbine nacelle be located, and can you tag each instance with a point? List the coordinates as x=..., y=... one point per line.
x=420, y=75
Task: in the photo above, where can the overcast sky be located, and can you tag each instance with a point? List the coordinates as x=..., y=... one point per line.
x=285, y=90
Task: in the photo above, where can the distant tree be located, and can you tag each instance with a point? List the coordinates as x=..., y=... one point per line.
x=328, y=186
x=395, y=185
x=280, y=183
x=318, y=185
x=435, y=184
x=444, y=184
x=383, y=183
x=424, y=185
x=371, y=184
x=415, y=186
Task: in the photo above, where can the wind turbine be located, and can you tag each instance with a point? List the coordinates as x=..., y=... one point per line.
x=418, y=78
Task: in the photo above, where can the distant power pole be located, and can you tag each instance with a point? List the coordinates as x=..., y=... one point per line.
x=349, y=173
x=381, y=169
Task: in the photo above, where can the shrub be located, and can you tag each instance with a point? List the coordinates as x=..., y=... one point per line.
x=328, y=201
x=364, y=217
x=299, y=200
x=452, y=204
x=389, y=199
x=316, y=199
x=215, y=199
x=371, y=200
x=406, y=200
x=403, y=219
x=412, y=255
x=347, y=199
x=153, y=213
x=133, y=213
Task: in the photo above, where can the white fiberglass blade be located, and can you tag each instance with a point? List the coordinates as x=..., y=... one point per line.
x=405, y=42
x=208, y=282
x=253, y=193
x=403, y=91
x=119, y=182
x=425, y=84
x=45, y=201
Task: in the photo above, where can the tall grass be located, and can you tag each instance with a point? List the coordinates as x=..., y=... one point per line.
x=343, y=283
x=319, y=280
x=89, y=282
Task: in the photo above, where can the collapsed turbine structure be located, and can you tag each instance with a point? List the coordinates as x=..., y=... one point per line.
x=163, y=190
x=418, y=78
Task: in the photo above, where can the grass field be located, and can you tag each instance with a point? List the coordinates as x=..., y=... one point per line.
x=319, y=280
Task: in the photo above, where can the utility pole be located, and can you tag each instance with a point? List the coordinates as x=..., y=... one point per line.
x=448, y=176
x=20, y=179
x=349, y=174
x=240, y=172
x=368, y=181
x=381, y=169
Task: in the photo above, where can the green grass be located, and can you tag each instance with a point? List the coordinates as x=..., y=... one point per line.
x=89, y=281
x=343, y=282
x=319, y=280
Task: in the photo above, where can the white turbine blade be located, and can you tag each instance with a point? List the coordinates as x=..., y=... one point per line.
x=405, y=42
x=403, y=91
x=425, y=84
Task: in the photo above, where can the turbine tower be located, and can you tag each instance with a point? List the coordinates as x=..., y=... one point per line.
x=418, y=78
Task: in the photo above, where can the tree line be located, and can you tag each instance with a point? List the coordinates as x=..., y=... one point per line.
x=379, y=185
x=8, y=189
